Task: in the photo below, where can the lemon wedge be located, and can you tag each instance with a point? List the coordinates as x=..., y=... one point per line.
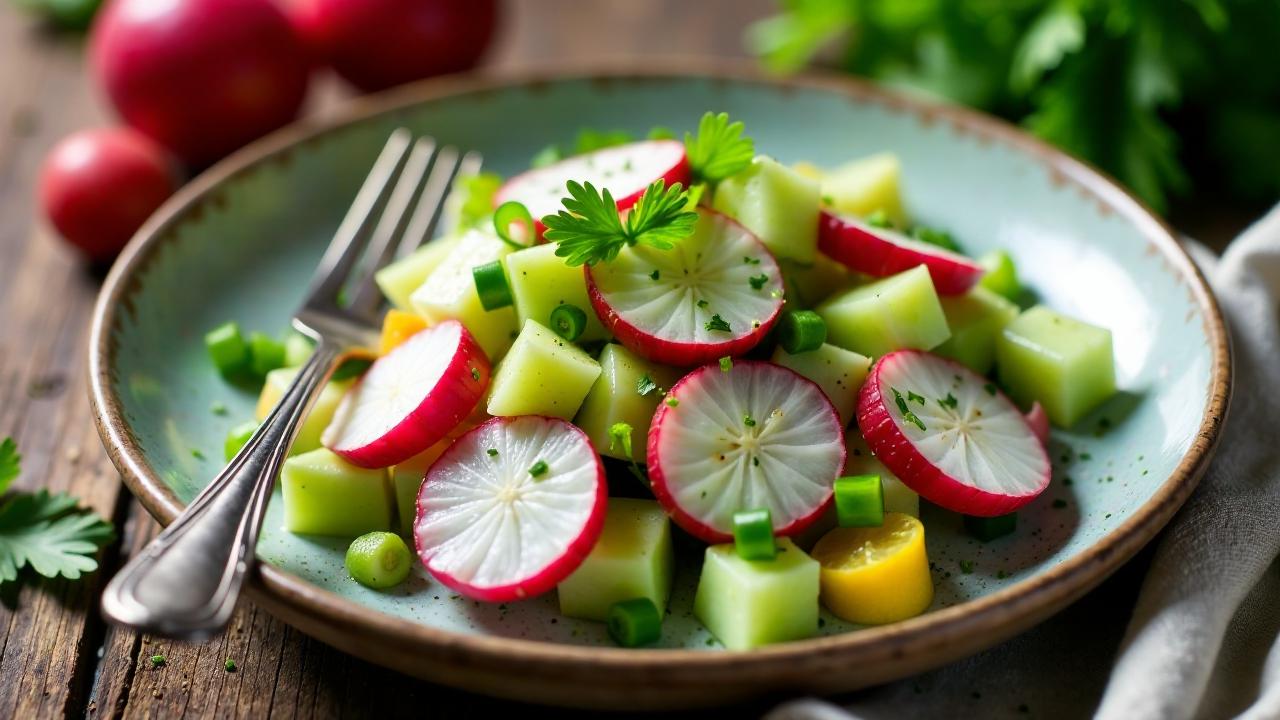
x=878, y=575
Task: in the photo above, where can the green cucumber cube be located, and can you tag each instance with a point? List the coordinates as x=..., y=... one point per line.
x=265, y=354
x=1065, y=364
x=541, y=282
x=867, y=185
x=449, y=292
x=615, y=397
x=297, y=349
x=895, y=313
x=837, y=371
x=1001, y=276
x=227, y=348
x=406, y=480
x=277, y=383
x=809, y=284
x=976, y=320
x=544, y=374
x=776, y=203
x=632, y=559
x=326, y=495
x=399, y=279
x=749, y=603
x=859, y=460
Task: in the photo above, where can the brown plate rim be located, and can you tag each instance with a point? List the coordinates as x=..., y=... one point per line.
x=1032, y=598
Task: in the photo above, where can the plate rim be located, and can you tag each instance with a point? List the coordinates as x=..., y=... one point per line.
x=941, y=635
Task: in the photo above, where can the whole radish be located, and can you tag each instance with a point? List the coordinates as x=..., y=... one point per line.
x=98, y=186
x=201, y=77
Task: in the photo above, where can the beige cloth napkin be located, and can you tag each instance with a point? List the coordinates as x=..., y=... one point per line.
x=1203, y=639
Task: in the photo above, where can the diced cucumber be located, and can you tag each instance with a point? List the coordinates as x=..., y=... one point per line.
x=542, y=375
x=237, y=438
x=406, y=480
x=616, y=397
x=277, y=383
x=1065, y=364
x=632, y=559
x=809, y=284
x=399, y=279
x=749, y=603
x=859, y=460
x=976, y=320
x=837, y=371
x=265, y=354
x=1001, y=276
x=541, y=282
x=297, y=349
x=867, y=185
x=898, y=312
x=228, y=350
x=776, y=203
x=450, y=292
x=326, y=495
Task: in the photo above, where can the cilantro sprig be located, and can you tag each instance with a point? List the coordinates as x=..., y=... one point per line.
x=719, y=150
x=590, y=230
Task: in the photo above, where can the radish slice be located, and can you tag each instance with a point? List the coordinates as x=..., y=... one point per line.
x=410, y=398
x=756, y=436
x=511, y=508
x=881, y=252
x=951, y=435
x=1038, y=419
x=625, y=171
x=716, y=293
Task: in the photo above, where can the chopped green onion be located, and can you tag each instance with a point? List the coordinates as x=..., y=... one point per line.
x=379, y=560
x=672, y=401
x=238, y=438
x=492, y=452
x=539, y=468
x=568, y=321
x=227, y=349
x=717, y=323
x=726, y=364
x=265, y=354
x=514, y=213
x=860, y=501
x=753, y=535
x=645, y=385
x=990, y=528
x=635, y=622
x=757, y=281
x=748, y=420
x=157, y=660
x=491, y=285
x=801, y=331
x=655, y=274
x=879, y=219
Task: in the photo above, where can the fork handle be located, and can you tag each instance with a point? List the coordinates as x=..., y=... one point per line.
x=185, y=583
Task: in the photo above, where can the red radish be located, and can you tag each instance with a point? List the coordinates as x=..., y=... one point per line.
x=951, y=435
x=756, y=435
x=201, y=77
x=511, y=508
x=98, y=186
x=716, y=293
x=410, y=398
x=881, y=252
x=1038, y=419
x=625, y=171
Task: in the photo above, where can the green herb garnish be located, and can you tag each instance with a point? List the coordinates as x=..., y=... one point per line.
x=905, y=411
x=620, y=438
x=229, y=665
x=538, y=469
x=10, y=463
x=751, y=260
x=492, y=452
x=915, y=397
x=748, y=420
x=655, y=274
x=966, y=566
x=879, y=219
x=726, y=364
x=717, y=323
x=990, y=388
x=672, y=401
x=47, y=532
x=645, y=385
x=475, y=374
x=758, y=281
x=702, y=304
x=719, y=150
x=949, y=401
x=589, y=229
x=157, y=660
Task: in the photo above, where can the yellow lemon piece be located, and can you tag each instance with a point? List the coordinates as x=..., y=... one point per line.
x=397, y=327
x=878, y=575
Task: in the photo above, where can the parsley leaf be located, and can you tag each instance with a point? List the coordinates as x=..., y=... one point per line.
x=645, y=385
x=589, y=229
x=620, y=438
x=48, y=533
x=719, y=150
x=758, y=281
x=717, y=323
x=10, y=462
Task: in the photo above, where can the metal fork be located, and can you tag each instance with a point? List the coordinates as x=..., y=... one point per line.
x=185, y=583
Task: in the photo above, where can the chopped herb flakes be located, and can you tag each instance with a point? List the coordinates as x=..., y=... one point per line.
x=919, y=399
x=702, y=304
x=949, y=401
x=655, y=274
x=539, y=468
x=229, y=665
x=157, y=660
x=751, y=261
x=966, y=566
x=645, y=385
x=758, y=281
x=717, y=323
x=620, y=438
x=493, y=452
x=990, y=388
x=672, y=401
x=726, y=364
x=748, y=420
x=905, y=411
x=475, y=374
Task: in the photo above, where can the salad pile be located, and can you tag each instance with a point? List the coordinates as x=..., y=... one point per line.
x=648, y=332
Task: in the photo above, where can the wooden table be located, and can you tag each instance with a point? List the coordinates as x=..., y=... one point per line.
x=56, y=655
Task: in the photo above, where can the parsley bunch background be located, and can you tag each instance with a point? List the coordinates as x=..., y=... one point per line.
x=1168, y=96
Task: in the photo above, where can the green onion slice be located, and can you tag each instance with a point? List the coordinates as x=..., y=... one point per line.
x=801, y=331
x=753, y=534
x=491, y=285
x=860, y=501
x=513, y=213
x=568, y=321
x=635, y=622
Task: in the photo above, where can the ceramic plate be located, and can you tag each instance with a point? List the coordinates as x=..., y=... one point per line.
x=239, y=242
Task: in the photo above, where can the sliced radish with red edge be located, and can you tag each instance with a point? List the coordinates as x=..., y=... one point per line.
x=951, y=435
x=410, y=398
x=511, y=508
x=881, y=252
x=624, y=170
x=758, y=435
x=716, y=293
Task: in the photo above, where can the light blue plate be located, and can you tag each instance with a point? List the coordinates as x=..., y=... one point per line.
x=240, y=242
